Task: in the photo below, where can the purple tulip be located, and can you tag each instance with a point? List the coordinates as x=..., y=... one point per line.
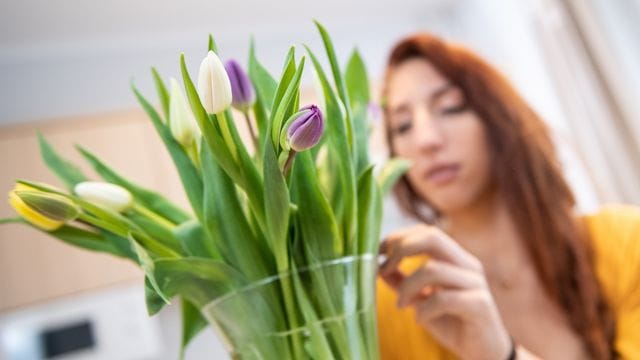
x=306, y=131
x=242, y=94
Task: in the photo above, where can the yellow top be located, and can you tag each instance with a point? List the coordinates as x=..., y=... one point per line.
x=615, y=231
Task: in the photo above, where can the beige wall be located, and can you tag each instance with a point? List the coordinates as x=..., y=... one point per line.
x=35, y=267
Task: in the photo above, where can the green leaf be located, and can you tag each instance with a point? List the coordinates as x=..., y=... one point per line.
x=285, y=94
x=391, y=171
x=288, y=71
x=122, y=227
x=339, y=154
x=212, y=44
x=192, y=323
x=42, y=187
x=276, y=205
x=252, y=180
x=189, y=175
x=337, y=78
x=155, y=230
x=319, y=347
x=195, y=241
x=286, y=104
x=361, y=131
x=356, y=80
x=68, y=173
x=317, y=230
x=198, y=280
x=85, y=239
x=317, y=225
x=121, y=244
x=163, y=94
x=370, y=213
x=12, y=220
x=148, y=266
x=227, y=223
x=358, y=89
x=154, y=302
x=150, y=199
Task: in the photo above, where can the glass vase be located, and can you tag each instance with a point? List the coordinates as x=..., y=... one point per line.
x=325, y=310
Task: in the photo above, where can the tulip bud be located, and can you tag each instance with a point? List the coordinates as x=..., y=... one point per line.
x=214, y=87
x=181, y=121
x=105, y=195
x=306, y=130
x=45, y=210
x=242, y=94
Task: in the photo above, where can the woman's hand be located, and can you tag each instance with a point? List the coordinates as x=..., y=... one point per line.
x=449, y=293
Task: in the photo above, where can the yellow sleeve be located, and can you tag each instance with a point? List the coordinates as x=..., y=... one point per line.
x=615, y=232
x=401, y=338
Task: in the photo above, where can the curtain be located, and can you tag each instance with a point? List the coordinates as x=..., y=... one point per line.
x=604, y=131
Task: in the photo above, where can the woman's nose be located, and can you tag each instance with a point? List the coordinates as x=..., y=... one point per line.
x=428, y=134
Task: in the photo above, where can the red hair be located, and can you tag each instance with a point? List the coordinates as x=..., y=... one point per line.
x=527, y=174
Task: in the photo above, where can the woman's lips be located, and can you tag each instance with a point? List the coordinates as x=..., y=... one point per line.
x=442, y=174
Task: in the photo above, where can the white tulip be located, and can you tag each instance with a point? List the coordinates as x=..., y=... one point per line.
x=181, y=121
x=104, y=194
x=214, y=86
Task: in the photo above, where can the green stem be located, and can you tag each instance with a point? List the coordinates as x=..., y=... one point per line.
x=149, y=243
x=226, y=134
x=192, y=152
x=102, y=224
x=292, y=318
x=142, y=210
x=254, y=139
x=11, y=220
x=287, y=164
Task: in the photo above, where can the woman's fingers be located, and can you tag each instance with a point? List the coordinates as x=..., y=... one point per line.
x=393, y=278
x=428, y=240
x=437, y=274
x=455, y=302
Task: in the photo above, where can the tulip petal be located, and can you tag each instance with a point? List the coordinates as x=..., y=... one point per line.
x=242, y=92
x=32, y=216
x=181, y=121
x=104, y=194
x=214, y=87
x=306, y=131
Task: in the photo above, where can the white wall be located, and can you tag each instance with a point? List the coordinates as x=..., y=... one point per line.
x=70, y=57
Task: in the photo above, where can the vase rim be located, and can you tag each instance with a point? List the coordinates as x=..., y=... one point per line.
x=272, y=278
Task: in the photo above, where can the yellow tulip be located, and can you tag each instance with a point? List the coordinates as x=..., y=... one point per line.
x=44, y=210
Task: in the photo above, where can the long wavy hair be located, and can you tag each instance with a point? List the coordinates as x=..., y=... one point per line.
x=527, y=174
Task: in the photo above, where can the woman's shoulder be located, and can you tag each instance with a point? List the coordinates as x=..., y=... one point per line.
x=614, y=217
x=614, y=231
x=615, y=228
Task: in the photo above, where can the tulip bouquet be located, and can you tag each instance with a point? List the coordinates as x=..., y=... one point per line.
x=279, y=249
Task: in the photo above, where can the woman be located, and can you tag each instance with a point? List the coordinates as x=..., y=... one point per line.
x=501, y=267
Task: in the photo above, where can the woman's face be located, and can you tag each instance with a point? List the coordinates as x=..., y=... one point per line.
x=430, y=123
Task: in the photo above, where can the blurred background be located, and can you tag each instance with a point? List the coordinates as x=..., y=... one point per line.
x=66, y=68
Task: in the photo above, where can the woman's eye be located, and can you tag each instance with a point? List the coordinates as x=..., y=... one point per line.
x=403, y=127
x=455, y=109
